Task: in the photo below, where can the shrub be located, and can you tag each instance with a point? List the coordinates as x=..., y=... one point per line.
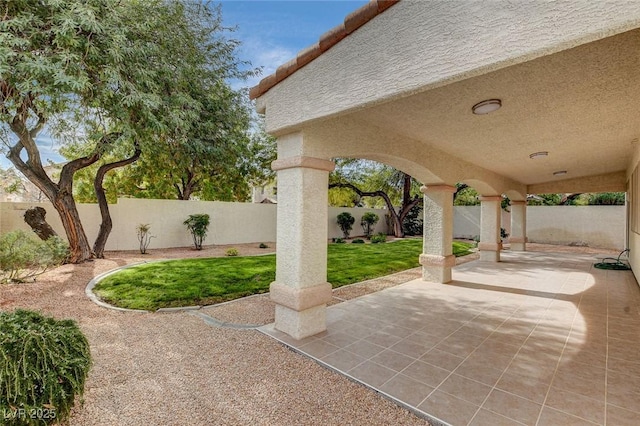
x=378, y=238
x=263, y=245
x=357, y=241
x=44, y=364
x=232, y=252
x=607, y=199
x=338, y=240
x=503, y=234
x=346, y=221
x=368, y=222
x=198, y=224
x=144, y=237
x=413, y=221
x=23, y=257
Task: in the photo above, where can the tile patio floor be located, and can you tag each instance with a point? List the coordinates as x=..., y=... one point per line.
x=538, y=339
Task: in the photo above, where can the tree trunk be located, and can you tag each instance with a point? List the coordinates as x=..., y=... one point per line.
x=35, y=218
x=107, y=224
x=79, y=247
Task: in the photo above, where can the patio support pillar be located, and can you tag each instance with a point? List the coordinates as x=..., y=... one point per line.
x=518, y=238
x=437, y=258
x=490, y=242
x=301, y=290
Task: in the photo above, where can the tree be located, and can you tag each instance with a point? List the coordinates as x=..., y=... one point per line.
x=391, y=185
x=345, y=222
x=96, y=69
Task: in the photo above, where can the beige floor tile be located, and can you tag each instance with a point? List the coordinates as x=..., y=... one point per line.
x=442, y=359
x=343, y=360
x=383, y=339
x=364, y=349
x=551, y=417
x=617, y=416
x=410, y=349
x=426, y=373
x=489, y=418
x=623, y=366
x=623, y=390
x=447, y=407
x=466, y=389
x=523, y=386
x=393, y=360
x=371, y=373
x=513, y=407
x=488, y=376
x=318, y=348
x=339, y=339
x=594, y=389
x=577, y=405
x=406, y=389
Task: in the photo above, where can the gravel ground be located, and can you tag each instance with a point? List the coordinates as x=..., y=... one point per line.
x=173, y=369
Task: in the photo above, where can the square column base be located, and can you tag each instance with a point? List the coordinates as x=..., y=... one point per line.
x=301, y=324
x=436, y=274
x=518, y=246
x=490, y=255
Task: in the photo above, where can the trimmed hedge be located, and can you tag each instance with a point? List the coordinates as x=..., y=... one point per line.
x=44, y=363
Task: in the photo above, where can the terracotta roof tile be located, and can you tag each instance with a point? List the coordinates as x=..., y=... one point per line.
x=352, y=22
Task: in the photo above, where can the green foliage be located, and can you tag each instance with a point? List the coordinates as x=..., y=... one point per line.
x=198, y=224
x=545, y=200
x=466, y=197
x=231, y=252
x=144, y=236
x=357, y=241
x=379, y=238
x=338, y=240
x=368, y=223
x=607, y=199
x=263, y=246
x=113, y=78
x=413, y=221
x=346, y=221
x=503, y=233
x=190, y=281
x=24, y=257
x=43, y=366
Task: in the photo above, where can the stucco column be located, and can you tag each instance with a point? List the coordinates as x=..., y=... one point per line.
x=300, y=290
x=490, y=242
x=437, y=258
x=518, y=238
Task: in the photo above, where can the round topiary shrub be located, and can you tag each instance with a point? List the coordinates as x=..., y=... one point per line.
x=44, y=363
x=232, y=252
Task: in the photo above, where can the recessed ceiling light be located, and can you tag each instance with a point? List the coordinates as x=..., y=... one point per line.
x=560, y=173
x=487, y=106
x=539, y=154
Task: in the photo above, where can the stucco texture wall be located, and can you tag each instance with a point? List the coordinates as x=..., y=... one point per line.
x=231, y=223
x=595, y=226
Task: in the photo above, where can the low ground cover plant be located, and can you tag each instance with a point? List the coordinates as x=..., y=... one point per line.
x=207, y=281
x=23, y=256
x=43, y=366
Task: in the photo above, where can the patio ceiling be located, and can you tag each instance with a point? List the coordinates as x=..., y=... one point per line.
x=571, y=92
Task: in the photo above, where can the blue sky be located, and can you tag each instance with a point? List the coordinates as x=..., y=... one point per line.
x=271, y=33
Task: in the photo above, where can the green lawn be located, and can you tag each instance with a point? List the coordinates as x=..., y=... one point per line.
x=207, y=281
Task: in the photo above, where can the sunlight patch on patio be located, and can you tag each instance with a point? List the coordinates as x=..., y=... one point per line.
x=537, y=339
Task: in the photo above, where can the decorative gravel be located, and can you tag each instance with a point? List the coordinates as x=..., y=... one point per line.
x=173, y=369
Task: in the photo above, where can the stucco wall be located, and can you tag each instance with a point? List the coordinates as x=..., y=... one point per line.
x=235, y=223
x=231, y=223
x=595, y=226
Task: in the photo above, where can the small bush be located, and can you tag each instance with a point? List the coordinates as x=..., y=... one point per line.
x=503, y=234
x=346, y=221
x=144, y=237
x=379, y=238
x=232, y=252
x=23, y=257
x=338, y=240
x=263, y=245
x=43, y=364
x=198, y=224
x=368, y=222
x=357, y=241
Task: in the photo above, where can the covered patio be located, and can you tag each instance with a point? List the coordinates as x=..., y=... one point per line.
x=536, y=339
x=511, y=99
